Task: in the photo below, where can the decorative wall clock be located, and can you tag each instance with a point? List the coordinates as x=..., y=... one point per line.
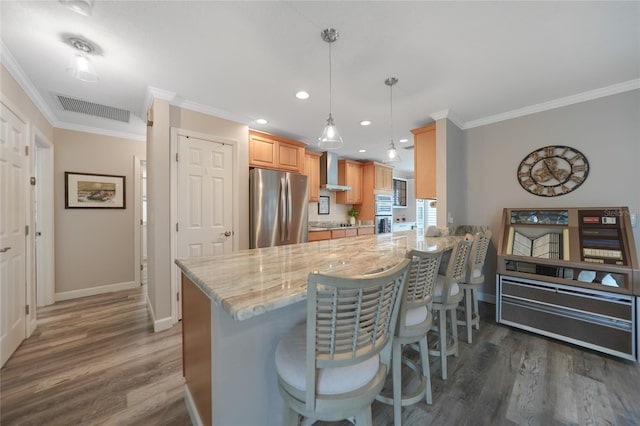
x=553, y=170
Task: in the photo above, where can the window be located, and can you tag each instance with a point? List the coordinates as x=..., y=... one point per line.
x=399, y=192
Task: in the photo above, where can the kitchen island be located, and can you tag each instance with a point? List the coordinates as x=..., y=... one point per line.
x=237, y=306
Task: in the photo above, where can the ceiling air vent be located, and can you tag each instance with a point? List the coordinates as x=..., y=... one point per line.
x=90, y=108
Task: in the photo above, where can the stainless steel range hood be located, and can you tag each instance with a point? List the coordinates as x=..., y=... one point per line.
x=329, y=173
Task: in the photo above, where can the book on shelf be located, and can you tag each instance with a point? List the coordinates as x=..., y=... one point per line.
x=547, y=246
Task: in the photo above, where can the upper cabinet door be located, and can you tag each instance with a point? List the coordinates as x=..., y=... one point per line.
x=312, y=170
x=274, y=152
x=424, y=161
x=383, y=178
x=350, y=174
x=262, y=151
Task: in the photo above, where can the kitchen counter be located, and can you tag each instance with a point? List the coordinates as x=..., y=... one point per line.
x=248, y=283
x=236, y=307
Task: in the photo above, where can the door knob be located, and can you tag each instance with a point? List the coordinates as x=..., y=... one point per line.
x=227, y=234
x=5, y=249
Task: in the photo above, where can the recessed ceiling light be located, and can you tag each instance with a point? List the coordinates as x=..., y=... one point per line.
x=365, y=122
x=403, y=140
x=362, y=150
x=302, y=95
x=261, y=121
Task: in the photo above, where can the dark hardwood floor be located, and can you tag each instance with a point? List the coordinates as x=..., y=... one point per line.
x=97, y=361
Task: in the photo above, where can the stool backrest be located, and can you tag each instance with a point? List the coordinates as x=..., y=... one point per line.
x=351, y=319
x=477, y=257
x=457, y=267
x=421, y=278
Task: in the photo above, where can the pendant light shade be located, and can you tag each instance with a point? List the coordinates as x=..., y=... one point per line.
x=330, y=139
x=80, y=66
x=392, y=153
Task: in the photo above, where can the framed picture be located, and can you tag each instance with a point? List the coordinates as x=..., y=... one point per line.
x=93, y=191
x=323, y=205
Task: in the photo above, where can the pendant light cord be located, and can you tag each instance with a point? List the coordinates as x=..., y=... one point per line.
x=391, y=109
x=330, y=88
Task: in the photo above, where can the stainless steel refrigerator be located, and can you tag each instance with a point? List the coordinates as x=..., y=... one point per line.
x=278, y=207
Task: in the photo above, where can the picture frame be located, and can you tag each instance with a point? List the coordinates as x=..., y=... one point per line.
x=323, y=205
x=94, y=191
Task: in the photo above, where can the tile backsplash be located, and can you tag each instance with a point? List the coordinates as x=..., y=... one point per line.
x=337, y=212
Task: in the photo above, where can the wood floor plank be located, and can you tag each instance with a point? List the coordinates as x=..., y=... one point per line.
x=97, y=361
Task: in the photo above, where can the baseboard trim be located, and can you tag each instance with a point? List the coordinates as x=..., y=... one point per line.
x=489, y=298
x=162, y=324
x=191, y=407
x=75, y=294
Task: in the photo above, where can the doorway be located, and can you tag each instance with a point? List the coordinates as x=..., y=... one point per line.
x=43, y=213
x=202, y=204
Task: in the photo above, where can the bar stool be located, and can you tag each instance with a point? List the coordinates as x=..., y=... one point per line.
x=414, y=322
x=474, y=278
x=446, y=297
x=333, y=366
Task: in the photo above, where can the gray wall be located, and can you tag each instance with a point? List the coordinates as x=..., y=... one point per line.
x=605, y=130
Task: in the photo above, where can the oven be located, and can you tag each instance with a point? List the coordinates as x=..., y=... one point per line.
x=384, y=205
x=383, y=213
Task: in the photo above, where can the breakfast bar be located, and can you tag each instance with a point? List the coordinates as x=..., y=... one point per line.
x=237, y=306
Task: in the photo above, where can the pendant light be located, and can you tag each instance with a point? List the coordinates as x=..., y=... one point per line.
x=80, y=66
x=392, y=153
x=330, y=139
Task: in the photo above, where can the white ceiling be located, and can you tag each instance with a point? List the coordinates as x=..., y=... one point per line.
x=481, y=61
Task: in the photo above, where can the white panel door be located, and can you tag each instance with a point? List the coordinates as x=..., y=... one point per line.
x=13, y=190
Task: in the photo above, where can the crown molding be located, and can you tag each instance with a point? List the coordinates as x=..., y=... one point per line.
x=174, y=99
x=99, y=131
x=24, y=82
x=446, y=113
x=557, y=103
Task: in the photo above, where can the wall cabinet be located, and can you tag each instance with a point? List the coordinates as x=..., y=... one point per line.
x=424, y=161
x=274, y=152
x=383, y=178
x=376, y=179
x=312, y=170
x=350, y=174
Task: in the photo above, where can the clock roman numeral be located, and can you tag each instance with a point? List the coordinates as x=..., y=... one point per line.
x=537, y=189
x=528, y=183
x=549, y=151
x=579, y=168
x=575, y=158
x=577, y=179
x=524, y=175
x=551, y=191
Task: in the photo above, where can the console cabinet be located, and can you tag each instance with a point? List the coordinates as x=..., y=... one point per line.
x=571, y=274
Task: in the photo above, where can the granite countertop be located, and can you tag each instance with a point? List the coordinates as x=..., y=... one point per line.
x=248, y=283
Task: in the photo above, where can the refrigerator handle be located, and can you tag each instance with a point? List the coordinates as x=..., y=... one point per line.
x=283, y=208
x=289, y=208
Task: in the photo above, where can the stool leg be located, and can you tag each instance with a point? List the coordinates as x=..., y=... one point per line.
x=476, y=311
x=468, y=312
x=454, y=331
x=443, y=342
x=426, y=369
x=396, y=359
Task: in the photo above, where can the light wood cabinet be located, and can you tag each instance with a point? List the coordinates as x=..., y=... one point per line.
x=274, y=152
x=376, y=179
x=383, y=178
x=424, y=161
x=312, y=170
x=366, y=231
x=319, y=235
x=350, y=174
